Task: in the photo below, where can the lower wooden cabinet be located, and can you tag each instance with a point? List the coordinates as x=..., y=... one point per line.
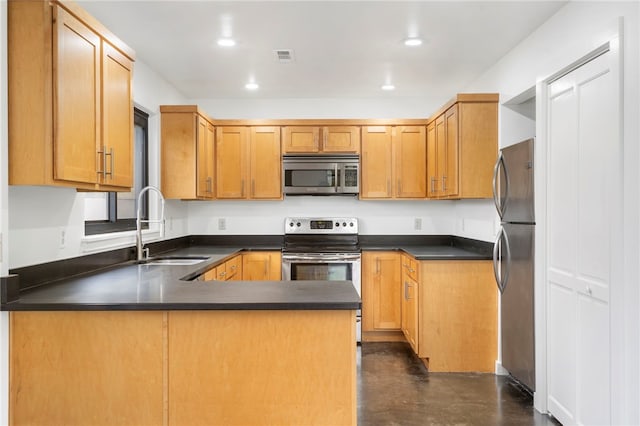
x=262, y=265
x=410, y=298
x=458, y=318
x=381, y=291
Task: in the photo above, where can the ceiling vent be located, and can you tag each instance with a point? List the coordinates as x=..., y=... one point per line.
x=284, y=56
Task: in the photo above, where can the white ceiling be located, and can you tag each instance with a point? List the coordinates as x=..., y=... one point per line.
x=342, y=49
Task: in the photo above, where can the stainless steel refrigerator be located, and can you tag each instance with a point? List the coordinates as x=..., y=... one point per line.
x=513, y=258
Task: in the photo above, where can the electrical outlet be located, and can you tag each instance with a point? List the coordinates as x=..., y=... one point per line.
x=222, y=224
x=417, y=224
x=63, y=237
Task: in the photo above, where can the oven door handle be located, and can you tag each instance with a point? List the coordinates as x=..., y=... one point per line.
x=320, y=258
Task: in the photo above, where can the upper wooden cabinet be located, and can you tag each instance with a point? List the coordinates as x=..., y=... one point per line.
x=187, y=153
x=393, y=162
x=462, y=145
x=248, y=163
x=70, y=99
x=314, y=139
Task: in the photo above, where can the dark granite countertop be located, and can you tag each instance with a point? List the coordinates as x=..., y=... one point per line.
x=134, y=286
x=113, y=282
x=431, y=247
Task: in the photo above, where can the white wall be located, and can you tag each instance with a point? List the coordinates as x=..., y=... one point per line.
x=573, y=32
x=39, y=216
x=248, y=108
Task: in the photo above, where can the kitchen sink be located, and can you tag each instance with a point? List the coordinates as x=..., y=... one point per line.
x=175, y=261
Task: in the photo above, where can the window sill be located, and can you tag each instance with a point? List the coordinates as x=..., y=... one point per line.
x=115, y=240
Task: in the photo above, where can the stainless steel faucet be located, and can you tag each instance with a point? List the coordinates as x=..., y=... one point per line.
x=140, y=253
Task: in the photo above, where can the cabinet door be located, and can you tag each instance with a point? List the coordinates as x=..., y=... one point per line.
x=432, y=161
x=341, y=139
x=381, y=291
x=376, y=162
x=265, y=265
x=410, y=156
x=76, y=52
x=265, y=163
x=449, y=175
x=234, y=268
x=300, y=139
x=231, y=155
x=441, y=158
x=205, y=158
x=410, y=311
x=117, y=117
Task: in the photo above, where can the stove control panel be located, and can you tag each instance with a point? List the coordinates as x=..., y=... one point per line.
x=321, y=225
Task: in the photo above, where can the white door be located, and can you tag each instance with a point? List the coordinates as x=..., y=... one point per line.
x=584, y=206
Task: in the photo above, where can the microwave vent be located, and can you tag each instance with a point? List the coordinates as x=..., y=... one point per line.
x=284, y=56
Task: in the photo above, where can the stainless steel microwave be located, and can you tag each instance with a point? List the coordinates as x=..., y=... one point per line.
x=321, y=175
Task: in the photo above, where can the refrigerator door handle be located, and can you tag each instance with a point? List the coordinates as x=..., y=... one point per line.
x=501, y=281
x=496, y=197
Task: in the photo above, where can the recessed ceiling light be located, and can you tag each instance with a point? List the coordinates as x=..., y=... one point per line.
x=412, y=41
x=251, y=86
x=388, y=87
x=226, y=42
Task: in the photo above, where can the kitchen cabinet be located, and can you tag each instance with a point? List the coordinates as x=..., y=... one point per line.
x=70, y=99
x=411, y=289
x=381, y=291
x=315, y=139
x=187, y=153
x=262, y=266
x=457, y=310
x=248, y=163
x=393, y=162
x=462, y=145
x=230, y=270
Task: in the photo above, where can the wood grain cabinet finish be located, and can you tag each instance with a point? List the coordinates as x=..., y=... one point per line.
x=187, y=153
x=410, y=300
x=381, y=291
x=316, y=139
x=262, y=266
x=248, y=163
x=462, y=144
x=393, y=162
x=457, y=329
x=230, y=270
x=70, y=99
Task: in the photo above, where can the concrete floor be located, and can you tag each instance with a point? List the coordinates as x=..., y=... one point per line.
x=394, y=388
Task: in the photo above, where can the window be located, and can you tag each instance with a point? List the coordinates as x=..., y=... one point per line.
x=107, y=212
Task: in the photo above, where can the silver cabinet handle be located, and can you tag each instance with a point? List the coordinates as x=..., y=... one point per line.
x=209, y=185
x=111, y=155
x=444, y=183
x=104, y=163
x=433, y=184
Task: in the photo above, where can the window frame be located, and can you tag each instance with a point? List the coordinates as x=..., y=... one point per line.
x=113, y=224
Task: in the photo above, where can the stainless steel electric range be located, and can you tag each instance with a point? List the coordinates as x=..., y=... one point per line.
x=325, y=249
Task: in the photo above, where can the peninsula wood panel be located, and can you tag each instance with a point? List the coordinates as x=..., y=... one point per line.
x=86, y=368
x=262, y=368
x=376, y=162
x=458, y=315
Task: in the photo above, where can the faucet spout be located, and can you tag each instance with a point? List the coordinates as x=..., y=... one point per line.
x=139, y=220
